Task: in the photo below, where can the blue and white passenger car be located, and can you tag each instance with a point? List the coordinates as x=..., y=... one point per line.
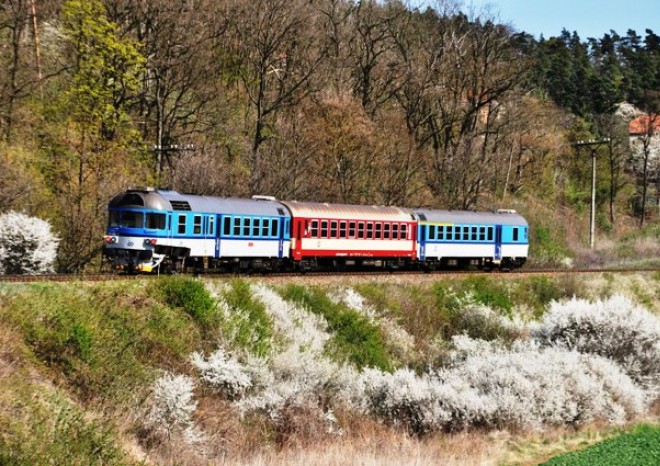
x=463, y=238
x=151, y=229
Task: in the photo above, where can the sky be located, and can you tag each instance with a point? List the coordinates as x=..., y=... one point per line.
x=590, y=18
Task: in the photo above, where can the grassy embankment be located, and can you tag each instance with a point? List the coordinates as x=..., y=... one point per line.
x=78, y=360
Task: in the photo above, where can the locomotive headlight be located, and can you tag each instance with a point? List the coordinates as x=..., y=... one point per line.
x=110, y=239
x=150, y=242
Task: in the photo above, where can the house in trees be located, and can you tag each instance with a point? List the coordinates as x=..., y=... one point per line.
x=644, y=131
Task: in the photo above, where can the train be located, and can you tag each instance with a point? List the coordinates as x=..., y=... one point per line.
x=162, y=231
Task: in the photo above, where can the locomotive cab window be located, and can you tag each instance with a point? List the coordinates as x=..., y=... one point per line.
x=156, y=221
x=114, y=218
x=132, y=219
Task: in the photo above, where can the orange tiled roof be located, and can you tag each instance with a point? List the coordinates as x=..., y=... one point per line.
x=641, y=124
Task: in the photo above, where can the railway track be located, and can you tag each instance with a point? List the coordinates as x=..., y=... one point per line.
x=330, y=276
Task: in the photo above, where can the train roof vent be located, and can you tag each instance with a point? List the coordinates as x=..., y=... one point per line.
x=280, y=211
x=142, y=189
x=180, y=205
x=506, y=211
x=264, y=198
x=422, y=217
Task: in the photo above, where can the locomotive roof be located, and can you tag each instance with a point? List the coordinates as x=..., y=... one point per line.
x=176, y=202
x=472, y=217
x=348, y=212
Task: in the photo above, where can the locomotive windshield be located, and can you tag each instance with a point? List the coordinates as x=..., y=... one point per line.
x=126, y=219
x=132, y=219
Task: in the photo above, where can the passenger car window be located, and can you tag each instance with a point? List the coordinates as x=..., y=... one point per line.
x=156, y=221
x=182, y=225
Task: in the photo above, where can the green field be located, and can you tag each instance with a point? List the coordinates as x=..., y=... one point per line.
x=640, y=447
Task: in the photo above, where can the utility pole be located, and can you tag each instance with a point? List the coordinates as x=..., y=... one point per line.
x=593, y=145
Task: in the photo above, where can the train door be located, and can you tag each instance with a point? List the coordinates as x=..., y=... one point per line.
x=421, y=238
x=296, y=240
x=498, y=242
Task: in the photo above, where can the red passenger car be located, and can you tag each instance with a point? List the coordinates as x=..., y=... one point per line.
x=351, y=234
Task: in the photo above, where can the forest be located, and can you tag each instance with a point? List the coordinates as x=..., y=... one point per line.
x=326, y=100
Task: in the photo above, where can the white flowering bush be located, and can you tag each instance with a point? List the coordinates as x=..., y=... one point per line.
x=615, y=328
x=222, y=372
x=173, y=404
x=27, y=245
x=582, y=362
x=492, y=386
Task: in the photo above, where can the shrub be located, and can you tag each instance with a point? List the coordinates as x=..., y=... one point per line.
x=223, y=372
x=495, y=387
x=27, y=245
x=190, y=295
x=173, y=404
x=614, y=328
x=355, y=337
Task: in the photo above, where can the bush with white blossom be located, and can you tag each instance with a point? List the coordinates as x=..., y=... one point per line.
x=615, y=328
x=223, y=372
x=27, y=245
x=173, y=404
x=583, y=362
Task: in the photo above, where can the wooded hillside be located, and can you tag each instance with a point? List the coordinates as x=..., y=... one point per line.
x=327, y=100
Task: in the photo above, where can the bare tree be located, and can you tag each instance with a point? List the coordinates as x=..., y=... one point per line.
x=472, y=83
x=615, y=129
x=276, y=54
